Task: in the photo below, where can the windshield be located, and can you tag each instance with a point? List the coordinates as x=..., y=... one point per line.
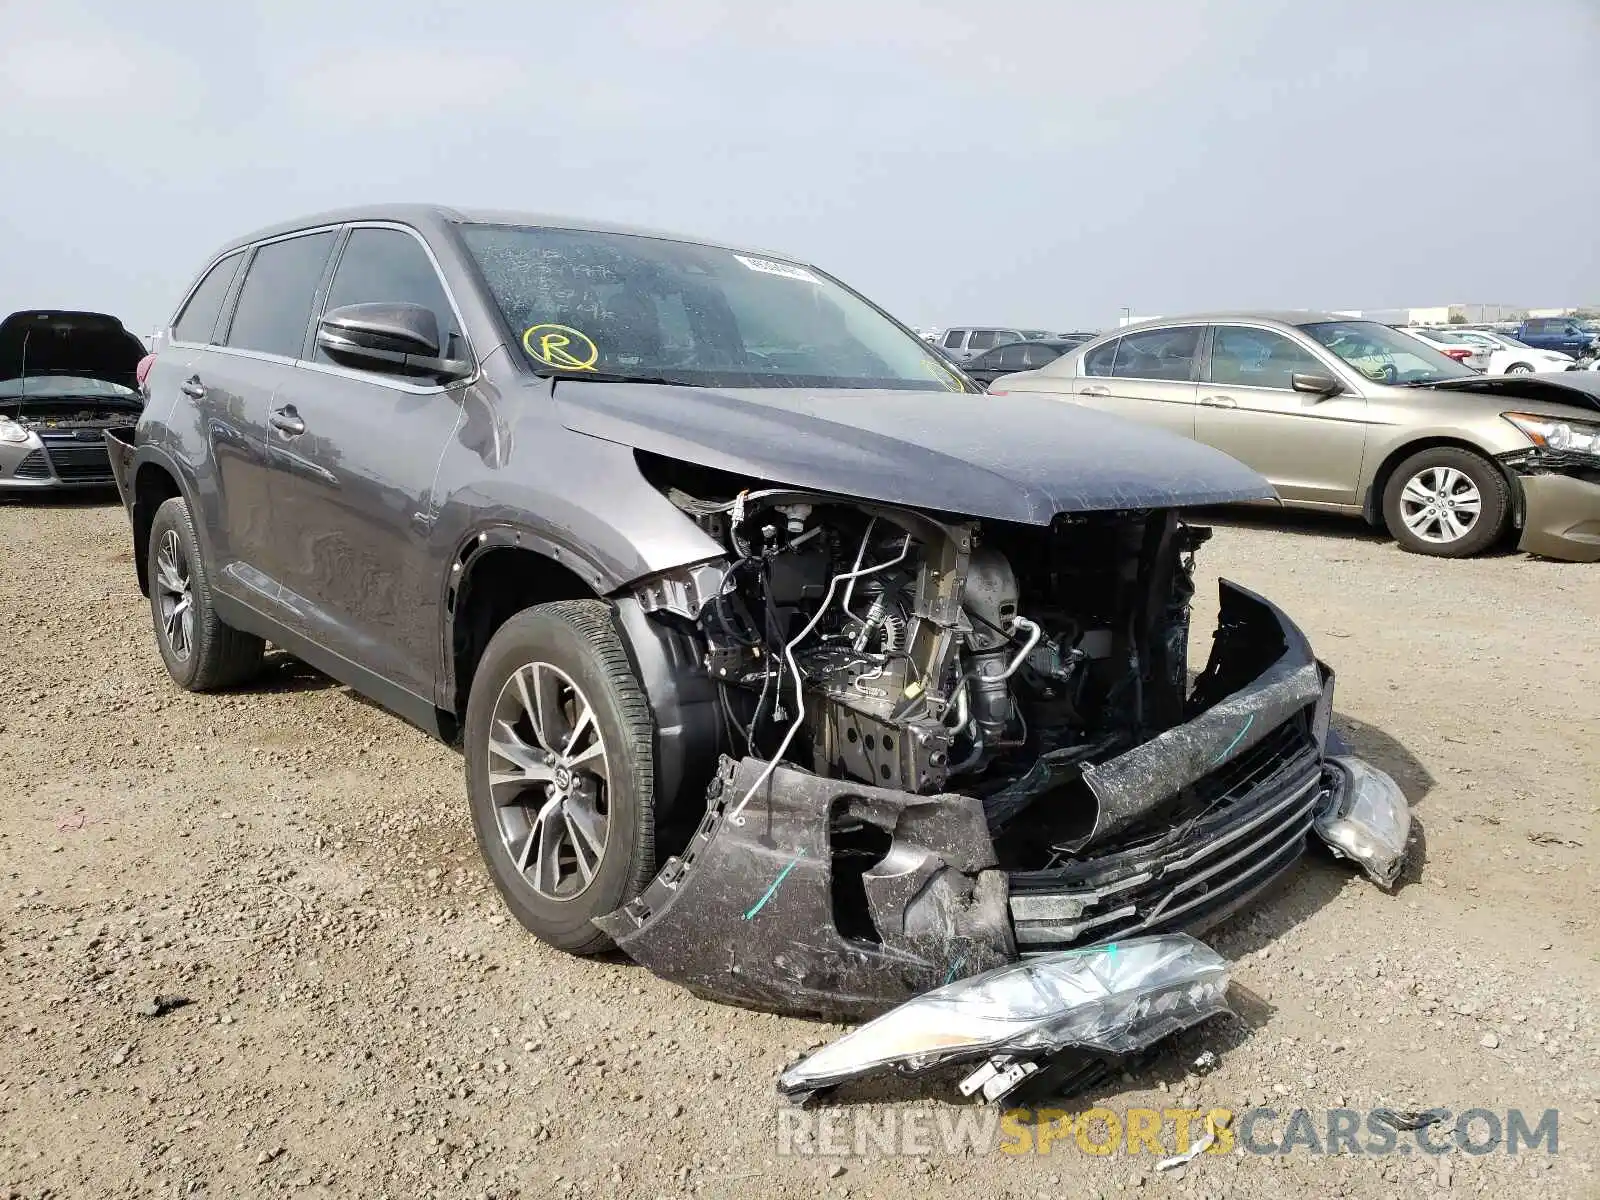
x=629, y=306
x=61, y=385
x=1386, y=355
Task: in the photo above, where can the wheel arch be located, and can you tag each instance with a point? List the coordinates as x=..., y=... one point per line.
x=493, y=576
x=154, y=483
x=1372, y=505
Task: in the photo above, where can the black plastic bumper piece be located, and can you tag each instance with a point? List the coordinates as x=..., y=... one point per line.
x=750, y=912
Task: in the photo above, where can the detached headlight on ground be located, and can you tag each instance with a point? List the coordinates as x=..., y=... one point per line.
x=1367, y=820
x=1577, y=437
x=1114, y=999
x=11, y=432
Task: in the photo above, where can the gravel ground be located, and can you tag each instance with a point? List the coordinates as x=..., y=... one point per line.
x=364, y=1020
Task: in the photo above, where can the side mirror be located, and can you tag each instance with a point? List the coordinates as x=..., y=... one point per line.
x=1317, y=384
x=398, y=339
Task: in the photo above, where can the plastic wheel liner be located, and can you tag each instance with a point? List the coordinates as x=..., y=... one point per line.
x=832, y=898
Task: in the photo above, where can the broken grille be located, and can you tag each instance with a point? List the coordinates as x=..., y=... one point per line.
x=1254, y=813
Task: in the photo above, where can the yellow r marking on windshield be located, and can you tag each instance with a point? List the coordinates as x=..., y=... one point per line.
x=561, y=346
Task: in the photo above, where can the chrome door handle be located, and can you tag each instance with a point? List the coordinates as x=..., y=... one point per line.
x=1096, y=390
x=193, y=388
x=286, y=421
x=1218, y=402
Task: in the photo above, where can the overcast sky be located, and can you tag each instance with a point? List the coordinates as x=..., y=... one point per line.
x=1040, y=163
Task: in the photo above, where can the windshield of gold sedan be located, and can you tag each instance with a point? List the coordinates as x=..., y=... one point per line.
x=1386, y=355
x=617, y=305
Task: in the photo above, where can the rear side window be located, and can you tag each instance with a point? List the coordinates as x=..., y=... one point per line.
x=1098, y=361
x=952, y=340
x=1035, y=355
x=198, y=320
x=279, y=288
x=1158, y=354
x=981, y=340
x=389, y=265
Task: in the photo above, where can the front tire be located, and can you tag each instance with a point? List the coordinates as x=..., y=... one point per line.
x=1520, y=369
x=201, y=652
x=1447, y=502
x=560, y=762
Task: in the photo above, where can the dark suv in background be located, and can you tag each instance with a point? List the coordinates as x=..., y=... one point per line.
x=725, y=580
x=1566, y=335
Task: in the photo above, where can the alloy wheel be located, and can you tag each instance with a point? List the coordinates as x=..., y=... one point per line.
x=175, y=596
x=1440, y=505
x=549, y=776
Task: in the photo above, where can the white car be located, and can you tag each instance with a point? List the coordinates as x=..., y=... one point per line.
x=1507, y=356
x=1450, y=343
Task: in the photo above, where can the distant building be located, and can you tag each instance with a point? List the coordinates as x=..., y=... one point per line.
x=1442, y=314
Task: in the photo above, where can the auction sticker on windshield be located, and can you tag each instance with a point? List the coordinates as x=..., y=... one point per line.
x=767, y=267
x=561, y=346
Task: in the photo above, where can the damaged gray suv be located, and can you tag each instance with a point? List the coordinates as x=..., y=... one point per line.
x=781, y=657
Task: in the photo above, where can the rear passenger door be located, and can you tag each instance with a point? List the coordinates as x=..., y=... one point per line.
x=354, y=454
x=1147, y=376
x=228, y=382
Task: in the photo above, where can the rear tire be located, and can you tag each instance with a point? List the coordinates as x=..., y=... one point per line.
x=1447, y=502
x=201, y=652
x=560, y=758
x=1519, y=369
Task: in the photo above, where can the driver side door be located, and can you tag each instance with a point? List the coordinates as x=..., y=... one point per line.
x=1308, y=446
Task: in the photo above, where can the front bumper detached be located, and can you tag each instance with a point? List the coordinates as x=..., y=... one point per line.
x=1560, y=503
x=832, y=898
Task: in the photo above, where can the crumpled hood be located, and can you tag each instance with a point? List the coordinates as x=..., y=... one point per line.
x=1575, y=389
x=1017, y=458
x=53, y=342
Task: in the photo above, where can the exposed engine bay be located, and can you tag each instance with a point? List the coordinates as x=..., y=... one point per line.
x=892, y=648
x=39, y=415
x=928, y=745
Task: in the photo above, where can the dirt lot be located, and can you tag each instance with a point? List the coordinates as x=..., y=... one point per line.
x=366, y=1022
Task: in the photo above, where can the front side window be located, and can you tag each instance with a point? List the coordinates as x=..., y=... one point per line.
x=952, y=340
x=592, y=304
x=1245, y=357
x=390, y=266
x=1385, y=355
x=1166, y=354
x=198, y=320
x=279, y=288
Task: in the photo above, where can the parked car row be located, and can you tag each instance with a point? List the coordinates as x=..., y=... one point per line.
x=1491, y=352
x=964, y=343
